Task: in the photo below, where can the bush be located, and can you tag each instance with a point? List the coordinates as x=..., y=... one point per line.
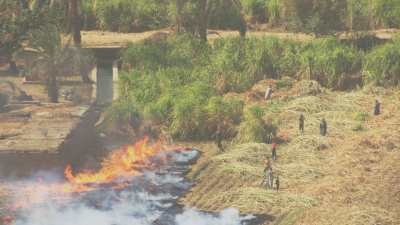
x=361, y=116
x=256, y=9
x=123, y=110
x=254, y=128
x=358, y=127
x=387, y=12
x=239, y=64
x=285, y=82
x=274, y=8
x=330, y=61
x=221, y=110
x=125, y=15
x=224, y=15
x=382, y=64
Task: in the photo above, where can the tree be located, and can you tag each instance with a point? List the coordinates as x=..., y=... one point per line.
x=315, y=16
x=387, y=13
x=16, y=23
x=54, y=57
x=178, y=15
x=197, y=19
x=74, y=21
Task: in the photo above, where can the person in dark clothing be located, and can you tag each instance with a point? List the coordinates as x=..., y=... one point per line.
x=301, y=123
x=274, y=145
x=277, y=183
x=323, y=127
x=218, y=137
x=377, y=109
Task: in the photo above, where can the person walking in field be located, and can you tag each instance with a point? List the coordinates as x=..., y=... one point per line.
x=323, y=127
x=268, y=93
x=274, y=146
x=301, y=123
x=377, y=109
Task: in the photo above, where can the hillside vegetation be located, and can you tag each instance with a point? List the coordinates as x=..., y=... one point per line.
x=181, y=88
x=348, y=177
x=189, y=88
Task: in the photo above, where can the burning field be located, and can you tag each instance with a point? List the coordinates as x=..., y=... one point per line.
x=136, y=184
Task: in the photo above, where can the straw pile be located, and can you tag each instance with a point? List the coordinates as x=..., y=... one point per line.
x=347, y=177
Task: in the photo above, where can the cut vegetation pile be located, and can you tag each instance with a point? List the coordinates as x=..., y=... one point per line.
x=344, y=178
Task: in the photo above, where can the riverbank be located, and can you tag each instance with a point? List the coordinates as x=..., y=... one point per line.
x=348, y=177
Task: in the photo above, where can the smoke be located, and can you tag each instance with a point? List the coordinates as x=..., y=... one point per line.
x=227, y=217
x=124, y=213
x=149, y=199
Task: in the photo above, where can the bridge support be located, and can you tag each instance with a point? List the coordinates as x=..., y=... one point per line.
x=105, y=76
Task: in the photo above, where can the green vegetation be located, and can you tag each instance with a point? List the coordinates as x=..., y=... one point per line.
x=125, y=15
x=179, y=83
x=361, y=116
x=319, y=17
x=330, y=62
x=382, y=65
x=254, y=128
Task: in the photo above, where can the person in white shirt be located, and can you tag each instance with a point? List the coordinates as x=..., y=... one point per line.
x=268, y=93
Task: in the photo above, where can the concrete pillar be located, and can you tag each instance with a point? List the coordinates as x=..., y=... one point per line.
x=115, y=80
x=93, y=77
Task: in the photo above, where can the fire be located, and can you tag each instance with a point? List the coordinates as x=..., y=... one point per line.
x=114, y=173
x=123, y=163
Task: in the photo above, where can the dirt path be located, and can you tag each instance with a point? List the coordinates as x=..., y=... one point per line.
x=104, y=39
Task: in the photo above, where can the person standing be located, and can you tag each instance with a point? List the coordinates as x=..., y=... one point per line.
x=268, y=93
x=301, y=123
x=218, y=137
x=377, y=109
x=277, y=183
x=274, y=146
x=270, y=178
x=323, y=127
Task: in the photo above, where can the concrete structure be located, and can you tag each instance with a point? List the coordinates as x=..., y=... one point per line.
x=105, y=75
x=105, y=87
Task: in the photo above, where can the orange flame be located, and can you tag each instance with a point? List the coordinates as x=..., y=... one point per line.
x=125, y=162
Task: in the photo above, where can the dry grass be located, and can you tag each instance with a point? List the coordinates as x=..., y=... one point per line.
x=348, y=177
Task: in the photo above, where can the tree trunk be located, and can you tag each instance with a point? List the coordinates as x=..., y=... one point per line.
x=74, y=22
x=243, y=25
x=179, y=6
x=52, y=87
x=85, y=75
x=13, y=69
x=203, y=20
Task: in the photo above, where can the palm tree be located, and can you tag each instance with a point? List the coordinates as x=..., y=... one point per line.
x=54, y=57
x=74, y=21
x=203, y=9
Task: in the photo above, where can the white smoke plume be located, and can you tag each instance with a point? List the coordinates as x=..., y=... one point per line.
x=150, y=199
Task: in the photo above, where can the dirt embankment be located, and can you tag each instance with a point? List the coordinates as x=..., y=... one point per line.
x=349, y=177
